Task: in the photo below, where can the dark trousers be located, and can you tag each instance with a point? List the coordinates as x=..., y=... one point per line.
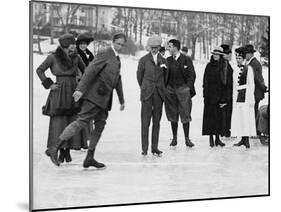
x=89, y=112
x=256, y=114
x=151, y=108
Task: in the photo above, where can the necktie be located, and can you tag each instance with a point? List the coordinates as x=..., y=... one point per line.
x=175, y=57
x=118, y=58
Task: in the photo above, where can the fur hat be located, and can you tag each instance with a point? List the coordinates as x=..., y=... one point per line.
x=84, y=37
x=249, y=48
x=218, y=50
x=226, y=48
x=66, y=39
x=154, y=41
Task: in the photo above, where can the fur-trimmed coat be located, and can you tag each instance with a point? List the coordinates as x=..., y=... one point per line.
x=86, y=56
x=61, y=65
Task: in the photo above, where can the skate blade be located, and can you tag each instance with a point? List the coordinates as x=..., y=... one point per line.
x=157, y=155
x=91, y=168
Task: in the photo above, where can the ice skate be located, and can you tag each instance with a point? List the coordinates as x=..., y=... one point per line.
x=218, y=142
x=157, y=152
x=240, y=143
x=61, y=155
x=92, y=162
x=211, y=141
x=67, y=155
x=144, y=153
x=188, y=143
x=53, y=154
x=174, y=142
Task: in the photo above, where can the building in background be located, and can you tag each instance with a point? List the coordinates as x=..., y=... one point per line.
x=68, y=17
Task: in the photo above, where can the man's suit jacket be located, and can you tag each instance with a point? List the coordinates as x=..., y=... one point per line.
x=260, y=87
x=100, y=78
x=151, y=76
x=187, y=68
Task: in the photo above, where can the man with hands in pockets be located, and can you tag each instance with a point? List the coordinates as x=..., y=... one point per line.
x=151, y=76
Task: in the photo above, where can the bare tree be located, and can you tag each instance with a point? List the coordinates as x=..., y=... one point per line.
x=66, y=15
x=39, y=23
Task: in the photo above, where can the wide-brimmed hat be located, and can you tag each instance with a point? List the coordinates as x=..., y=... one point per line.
x=154, y=41
x=249, y=48
x=218, y=50
x=226, y=48
x=240, y=52
x=84, y=37
x=66, y=39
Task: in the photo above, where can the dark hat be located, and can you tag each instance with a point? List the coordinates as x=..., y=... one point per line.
x=240, y=52
x=84, y=37
x=162, y=49
x=66, y=39
x=218, y=50
x=184, y=49
x=249, y=48
x=226, y=48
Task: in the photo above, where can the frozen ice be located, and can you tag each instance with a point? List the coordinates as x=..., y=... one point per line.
x=182, y=173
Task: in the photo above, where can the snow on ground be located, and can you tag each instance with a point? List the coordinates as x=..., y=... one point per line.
x=182, y=173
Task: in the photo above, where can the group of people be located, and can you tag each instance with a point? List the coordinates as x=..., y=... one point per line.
x=81, y=98
x=232, y=95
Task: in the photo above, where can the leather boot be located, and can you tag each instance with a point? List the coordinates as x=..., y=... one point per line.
x=67, y=155
x=157, y=152
x=174, y=142
x=218, y=142
x=53, y=152
x=188, y=143
x=246, y=142
x=211, y=140
x=90, y=161
x=61, y=155
x=240, y=143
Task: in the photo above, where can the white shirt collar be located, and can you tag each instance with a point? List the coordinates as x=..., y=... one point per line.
x=177, y=55
x=247, y=62
x=115, y=52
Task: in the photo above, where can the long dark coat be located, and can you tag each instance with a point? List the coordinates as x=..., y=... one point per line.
x=60, y=105
x=227, y=97
x=86, y=56
x=217, y=89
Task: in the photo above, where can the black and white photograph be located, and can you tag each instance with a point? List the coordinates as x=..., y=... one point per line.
x=137, y=105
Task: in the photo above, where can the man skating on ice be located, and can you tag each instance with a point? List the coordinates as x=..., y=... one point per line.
x=180, y=90
x=96, y=90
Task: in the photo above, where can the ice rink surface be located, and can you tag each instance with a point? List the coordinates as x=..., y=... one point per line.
x=182, y=173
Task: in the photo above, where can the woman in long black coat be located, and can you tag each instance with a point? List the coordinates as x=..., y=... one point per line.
x=82, y=43
x=64, y=64
x=216, y=93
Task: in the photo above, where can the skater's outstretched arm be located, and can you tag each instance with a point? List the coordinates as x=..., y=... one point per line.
x=119, y=90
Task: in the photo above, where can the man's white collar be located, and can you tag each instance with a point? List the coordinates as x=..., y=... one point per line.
x=115, y=52
x=177, y=55
x=247, y=63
